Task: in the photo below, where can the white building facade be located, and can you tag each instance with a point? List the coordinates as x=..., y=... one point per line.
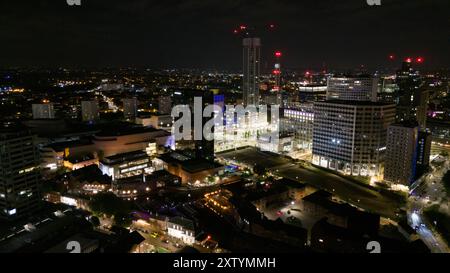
x=353, y=88
x=350, y=136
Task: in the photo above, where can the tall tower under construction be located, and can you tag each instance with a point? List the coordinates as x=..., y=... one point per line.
x=251, y=70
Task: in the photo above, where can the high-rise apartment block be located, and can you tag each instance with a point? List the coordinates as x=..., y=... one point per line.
x=43, y=111
x=424, y=149
x=19, y=179
x=89, y=111
x=401, y=153
x=130, y=106
x=165, y=105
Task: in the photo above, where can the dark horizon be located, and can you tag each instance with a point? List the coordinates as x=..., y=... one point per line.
x=199, y=34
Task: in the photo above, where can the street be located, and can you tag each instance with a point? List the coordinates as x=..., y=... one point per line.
x=427, y=192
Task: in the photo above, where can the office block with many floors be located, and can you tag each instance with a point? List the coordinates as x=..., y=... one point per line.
x=165, y=105
x=401, y=153
x=353, y=88
x=424, y=149
x=43, y=111
x=130, y=107
x=350, y=136
x=19, y=173
x=89, y=111
x=299, y=120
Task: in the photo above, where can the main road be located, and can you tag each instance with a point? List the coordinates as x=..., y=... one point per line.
x=428, y=191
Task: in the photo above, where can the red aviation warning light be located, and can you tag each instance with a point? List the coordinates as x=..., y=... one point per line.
x=276, y=72
x=242, y=27
x=278, y=54
x=420, y=60
x=408, y=60
x=391, y=57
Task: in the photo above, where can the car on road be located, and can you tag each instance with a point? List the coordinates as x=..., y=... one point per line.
x=210, y=244
x=177, y=245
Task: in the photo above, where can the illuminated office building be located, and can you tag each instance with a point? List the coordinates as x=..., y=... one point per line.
x=350, y=136
x=358, y=88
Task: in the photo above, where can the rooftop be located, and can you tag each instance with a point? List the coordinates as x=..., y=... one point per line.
x=61, y=146
x=119, y=158
x=406, y=124
x=188, y=164
x=81, y=158
x=12, y=129
x=323, y=199
x=126, y=130
x=355, y=103
x=184, y=222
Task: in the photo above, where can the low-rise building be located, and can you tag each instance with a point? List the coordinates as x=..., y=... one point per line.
x=190, y=170
x=160, y=122
x=320, y=204
x=182, y=229
x=280, y=192
x=130, y=139
x=78, y=162
x=126, y=165
x=53, y=156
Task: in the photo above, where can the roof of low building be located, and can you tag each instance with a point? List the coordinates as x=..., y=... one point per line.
x=184, y=222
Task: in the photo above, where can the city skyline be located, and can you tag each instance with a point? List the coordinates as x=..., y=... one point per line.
x=298, y=128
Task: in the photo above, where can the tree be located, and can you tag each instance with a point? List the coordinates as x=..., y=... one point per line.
x=94, y=221
x=122, y=219
x=109, y=204
x=259, y=169
x=446, y=181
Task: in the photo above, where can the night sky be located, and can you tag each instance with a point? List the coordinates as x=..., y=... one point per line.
x=199, y=33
